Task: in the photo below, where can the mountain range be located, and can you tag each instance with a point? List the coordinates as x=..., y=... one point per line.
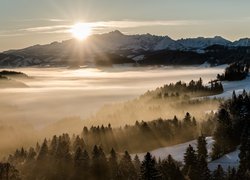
x=117, y=48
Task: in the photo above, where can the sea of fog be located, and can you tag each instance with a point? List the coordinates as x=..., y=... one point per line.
x=57, y=93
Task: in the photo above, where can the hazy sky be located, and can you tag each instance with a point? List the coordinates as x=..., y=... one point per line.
x=29, y=22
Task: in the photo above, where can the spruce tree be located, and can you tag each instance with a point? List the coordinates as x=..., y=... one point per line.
x=148, y=168
x=187, y=119
x=190, y=163
x=53, y=146
x=137, y=165
x=201, y=146
x=31, y=154
x=113, y=164
x=43, y=153
x=223, y=134
x=78, y=157
x=99, y=164
x=170, y=170
x=202, y=167
x=85, y=164
x=244, y=153
x=78, y=142
x=126, y=168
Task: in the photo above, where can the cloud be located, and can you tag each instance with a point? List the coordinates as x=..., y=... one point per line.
x=101, y=26
x=47, y=28
x=134, y=24
x=109, y=24
x=11, y=35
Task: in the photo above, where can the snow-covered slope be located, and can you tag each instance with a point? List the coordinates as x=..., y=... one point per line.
x=177, y=151
x=115, y=40
x=242, y=42
x=201, y=42
x=231, y=159
x=237, y=86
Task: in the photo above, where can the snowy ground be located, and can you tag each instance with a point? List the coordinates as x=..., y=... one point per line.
x=177, y=152
x=237, y=86
x=230, y=159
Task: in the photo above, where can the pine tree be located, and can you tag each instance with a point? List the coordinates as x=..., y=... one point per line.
x=63, y=151
x=187, y=119
x=203, y=171
x=202, y=165
x=63, y=160
x=53, y=146
x=81, y=164
x=148, y=168
x=137, y=165
x=96, y=168
x=190, y=166
x=85, y=164
x=37, y=147
x=31, y=154
x=126, y=169
x=43, y=154
x=78, y=142
x=99, y=164
x=244, y=153
x=170, y=170
x=78, y=157
x=113, y=164
x=201, y=146
x=223, y=134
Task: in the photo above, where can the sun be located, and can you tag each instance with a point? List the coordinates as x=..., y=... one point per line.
x=81, y=31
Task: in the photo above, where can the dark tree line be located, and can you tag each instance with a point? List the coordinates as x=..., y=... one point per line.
x=61, y=163
x=12, y=73
x=232, y=120
x=235, y=72
x=233, y=130
x=156, y=133
x=60, y=158
x=193, y=89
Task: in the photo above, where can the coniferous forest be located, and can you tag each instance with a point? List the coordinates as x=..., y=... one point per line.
x=110, y=153
x=235, y=72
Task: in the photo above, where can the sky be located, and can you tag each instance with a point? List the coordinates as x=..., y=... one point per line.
x=28, y=22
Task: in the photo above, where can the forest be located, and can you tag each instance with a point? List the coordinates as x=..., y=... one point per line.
x=90, y=155
x=235, y=72
x=174, y=99
x=107, y=152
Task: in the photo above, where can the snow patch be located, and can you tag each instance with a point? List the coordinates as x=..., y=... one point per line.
x=176, y=151
x=231, y=159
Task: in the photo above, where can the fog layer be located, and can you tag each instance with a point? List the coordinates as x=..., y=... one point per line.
x=59, y=93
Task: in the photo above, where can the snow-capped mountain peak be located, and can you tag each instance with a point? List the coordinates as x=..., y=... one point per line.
x=242, y=42
x=202, y=42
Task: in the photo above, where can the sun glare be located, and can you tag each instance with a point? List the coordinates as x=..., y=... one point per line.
x=81, y=31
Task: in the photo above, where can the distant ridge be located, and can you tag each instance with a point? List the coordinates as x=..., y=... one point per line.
x=118, y=48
